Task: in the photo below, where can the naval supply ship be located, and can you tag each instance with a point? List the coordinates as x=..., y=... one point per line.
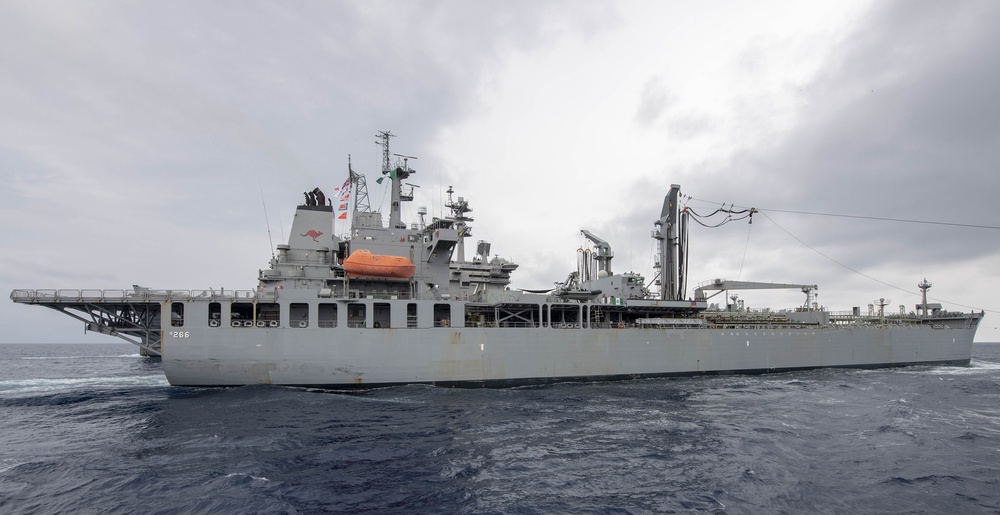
x=394, y=303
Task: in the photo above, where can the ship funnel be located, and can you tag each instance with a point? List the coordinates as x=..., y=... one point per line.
x=312, y=228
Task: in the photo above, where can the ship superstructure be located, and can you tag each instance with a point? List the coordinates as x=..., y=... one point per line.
x=397, y=303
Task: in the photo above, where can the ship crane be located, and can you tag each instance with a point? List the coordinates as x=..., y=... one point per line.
x=721, y=285
x=604, y=254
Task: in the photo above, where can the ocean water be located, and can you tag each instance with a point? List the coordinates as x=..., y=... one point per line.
x=97, y=429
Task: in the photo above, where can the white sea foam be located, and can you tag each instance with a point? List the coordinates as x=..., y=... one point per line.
x=243, y=474
x=43, y=385
x=975, y=367
x=136, y=355
x=9, y=464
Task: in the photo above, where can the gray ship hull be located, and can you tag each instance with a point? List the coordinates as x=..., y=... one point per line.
x=401, y=303
x=517, y=356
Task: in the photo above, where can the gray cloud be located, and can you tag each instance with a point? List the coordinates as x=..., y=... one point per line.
x=655, y=99
x=133, y=136
x=901, y=122
x=140, y=133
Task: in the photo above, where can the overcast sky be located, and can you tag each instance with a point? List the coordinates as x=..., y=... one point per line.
x=140, y=142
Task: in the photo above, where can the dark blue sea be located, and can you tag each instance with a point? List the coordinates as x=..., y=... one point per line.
x=97, y=429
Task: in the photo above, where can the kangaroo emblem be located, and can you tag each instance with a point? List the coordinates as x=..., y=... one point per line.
x=313, y=234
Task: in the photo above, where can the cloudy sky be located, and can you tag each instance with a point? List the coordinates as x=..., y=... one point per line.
x=142, y=142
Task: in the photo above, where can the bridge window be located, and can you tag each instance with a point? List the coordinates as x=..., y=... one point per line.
x=177, y=314
x=214, y=314
x=327, y=315
x=298, y=315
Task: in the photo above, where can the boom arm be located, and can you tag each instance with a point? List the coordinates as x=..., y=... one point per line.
x=604, y=253
x=723, y=285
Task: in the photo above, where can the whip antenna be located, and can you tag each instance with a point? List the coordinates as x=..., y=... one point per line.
x=267, y=222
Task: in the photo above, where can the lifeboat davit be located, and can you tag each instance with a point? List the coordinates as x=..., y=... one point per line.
x=362, y=263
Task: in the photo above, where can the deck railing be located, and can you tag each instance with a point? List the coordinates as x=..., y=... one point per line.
x=137, y=295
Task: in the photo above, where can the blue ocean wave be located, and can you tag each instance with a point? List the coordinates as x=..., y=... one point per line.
x=105, y=434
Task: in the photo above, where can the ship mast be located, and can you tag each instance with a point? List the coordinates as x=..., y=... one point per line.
x=924, y=286
x=360, y=190
x=458, y=211
x=384, y=136
x=397, y=175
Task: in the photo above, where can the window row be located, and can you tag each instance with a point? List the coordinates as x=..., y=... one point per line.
x=386, y=315
x=377, y=315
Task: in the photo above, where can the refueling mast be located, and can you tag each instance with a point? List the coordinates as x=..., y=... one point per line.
x=671, y=240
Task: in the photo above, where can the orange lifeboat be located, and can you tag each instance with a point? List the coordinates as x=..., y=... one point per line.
x=362, y=263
